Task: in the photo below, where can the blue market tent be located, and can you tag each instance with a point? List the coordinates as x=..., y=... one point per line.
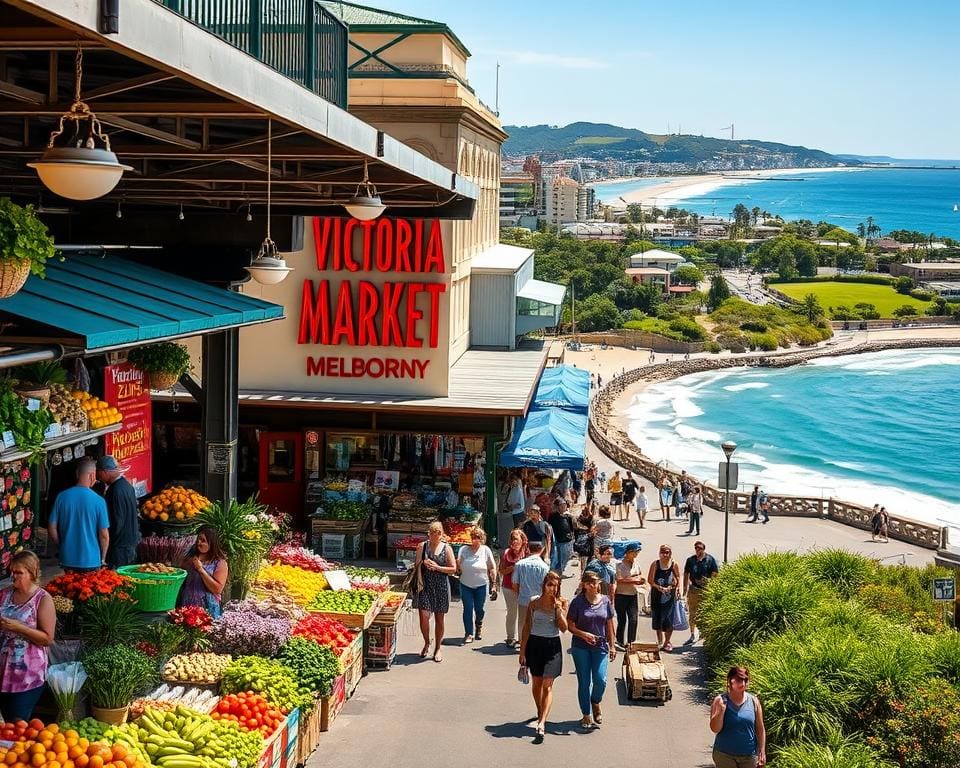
x=568, y=388
x=548, y=438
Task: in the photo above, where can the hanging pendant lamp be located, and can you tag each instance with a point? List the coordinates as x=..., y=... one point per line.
x=365, y=203
x=81, y=171
x=269, y=267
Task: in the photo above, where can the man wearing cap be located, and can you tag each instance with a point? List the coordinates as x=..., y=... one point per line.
x=628, y=589
x=122, y=510
x=79, y=524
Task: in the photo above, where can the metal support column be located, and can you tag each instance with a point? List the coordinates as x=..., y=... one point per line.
x=490, y=477
x=220, y=414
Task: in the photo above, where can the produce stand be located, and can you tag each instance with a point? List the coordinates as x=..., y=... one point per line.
x=380, y=640
x=331, y=705
x=280, y=750
x=354, y=620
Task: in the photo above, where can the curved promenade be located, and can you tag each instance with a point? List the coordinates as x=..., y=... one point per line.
x=613, y=399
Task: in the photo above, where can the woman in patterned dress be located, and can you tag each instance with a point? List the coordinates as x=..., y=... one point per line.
x=435, y=562
x=207, y=572
x=28, y=621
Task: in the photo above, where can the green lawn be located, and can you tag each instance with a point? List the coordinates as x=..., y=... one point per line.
x=883, y=297
x=600, y=140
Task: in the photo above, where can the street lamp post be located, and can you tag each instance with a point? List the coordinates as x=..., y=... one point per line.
x=728, y=448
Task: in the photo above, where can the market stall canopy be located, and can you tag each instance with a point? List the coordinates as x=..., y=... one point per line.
x=94, y=303
x=548, y=438
x=564, y=387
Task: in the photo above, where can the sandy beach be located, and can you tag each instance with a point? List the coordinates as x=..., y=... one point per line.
x=685, y=187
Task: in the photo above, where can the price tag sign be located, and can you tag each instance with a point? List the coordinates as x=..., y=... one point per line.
x=52, y=431
x=33, y=404
x=944, y=590
x=8, y=439
x=338, y=580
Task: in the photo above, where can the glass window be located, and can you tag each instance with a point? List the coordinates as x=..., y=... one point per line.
x=281, y=457
x=535, y=308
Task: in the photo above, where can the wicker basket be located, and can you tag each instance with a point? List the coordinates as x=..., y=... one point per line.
x=154, y=592
x=163, y=380
x=13, y=274
x=37, y=393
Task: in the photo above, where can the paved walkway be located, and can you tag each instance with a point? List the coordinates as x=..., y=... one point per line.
x=471, y=711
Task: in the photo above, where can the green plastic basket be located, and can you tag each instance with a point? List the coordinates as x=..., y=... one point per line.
x=154, y=592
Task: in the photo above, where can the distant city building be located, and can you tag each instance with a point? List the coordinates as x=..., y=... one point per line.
x=923, y=271
x=656, y=267
x=561, y=200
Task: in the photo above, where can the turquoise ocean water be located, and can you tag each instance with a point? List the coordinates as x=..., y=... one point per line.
x=874, y=428
x=897, y=198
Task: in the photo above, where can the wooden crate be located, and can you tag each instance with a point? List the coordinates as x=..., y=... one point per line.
x=353, y=674
x=331, y=705
x=277, y=748
x=351, y=651
x=380, y=644
x=354, y=620
x=644, y=675
x=308, y=734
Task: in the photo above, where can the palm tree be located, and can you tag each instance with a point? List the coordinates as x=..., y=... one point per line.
x=811, y=307
x=755, y=214
x=862, y=231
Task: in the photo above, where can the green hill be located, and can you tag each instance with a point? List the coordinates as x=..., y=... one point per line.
x=601, y=141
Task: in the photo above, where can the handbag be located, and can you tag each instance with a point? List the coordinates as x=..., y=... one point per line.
x=583, y=544
x=680, y=620
x=416, y=579
x=523, y=675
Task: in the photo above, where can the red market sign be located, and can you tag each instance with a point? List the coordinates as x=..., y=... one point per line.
x=375, y=291
x=124, y=388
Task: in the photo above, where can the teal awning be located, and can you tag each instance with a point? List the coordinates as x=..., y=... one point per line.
x=104, y=302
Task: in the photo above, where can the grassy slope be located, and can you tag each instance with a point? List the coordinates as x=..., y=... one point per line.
x=834, y=294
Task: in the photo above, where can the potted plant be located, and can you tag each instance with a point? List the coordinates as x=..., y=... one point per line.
x=164, y=363
x=25, y=246
x=35, y=379
x=114, y=674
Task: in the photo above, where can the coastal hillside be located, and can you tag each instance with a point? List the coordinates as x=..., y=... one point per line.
x=600, y=141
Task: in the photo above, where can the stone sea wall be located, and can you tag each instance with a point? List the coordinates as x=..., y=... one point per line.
x=616, y=444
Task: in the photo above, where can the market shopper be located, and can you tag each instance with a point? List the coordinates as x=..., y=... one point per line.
x=207, y=571
x=629, y=494
x=590, y=621
x=516, y=501
x=615, y=487
x=79, y=523
x=537, y=529
x=583, y=544
x=514, y=553
x=642, y=505
x=606, y=570
x=603, y=528
x=121, y=510
x=627, y=593
x=528, y=575
x=664, y=580
x=665, y=493
x=435, y=562
x=698, y=568
x=563, y=529
x=28, y=621
x=478, y=574
x=737, y=718
x=540, y=650
x=694, y=510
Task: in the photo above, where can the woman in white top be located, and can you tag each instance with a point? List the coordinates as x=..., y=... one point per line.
x=478, y=570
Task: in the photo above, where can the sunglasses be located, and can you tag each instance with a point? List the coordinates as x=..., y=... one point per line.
x=699, y=547
x=741, y=678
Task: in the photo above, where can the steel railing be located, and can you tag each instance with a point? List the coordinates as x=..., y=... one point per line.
x=298, y=38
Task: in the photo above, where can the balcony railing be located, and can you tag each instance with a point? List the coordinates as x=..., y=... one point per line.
x=298, y=38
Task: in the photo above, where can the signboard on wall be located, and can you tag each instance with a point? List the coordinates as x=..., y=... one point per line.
x=124, y=389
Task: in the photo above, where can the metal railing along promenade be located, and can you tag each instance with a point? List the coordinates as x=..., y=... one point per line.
x=298, y=38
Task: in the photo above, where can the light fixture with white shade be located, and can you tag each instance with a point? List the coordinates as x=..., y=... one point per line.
x=269, y=267
x=81, y=171
x=365, y=203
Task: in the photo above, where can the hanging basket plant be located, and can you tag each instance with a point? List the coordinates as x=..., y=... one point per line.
x=164, y=363
x=25, y=246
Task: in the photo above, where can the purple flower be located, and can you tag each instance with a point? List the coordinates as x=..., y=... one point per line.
x=240, y=632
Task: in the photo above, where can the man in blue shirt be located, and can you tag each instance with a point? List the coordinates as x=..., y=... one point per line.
x=606, y=569
x=79, y=524
x=528, y=575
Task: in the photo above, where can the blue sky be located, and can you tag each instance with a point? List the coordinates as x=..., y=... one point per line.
x=844, y=76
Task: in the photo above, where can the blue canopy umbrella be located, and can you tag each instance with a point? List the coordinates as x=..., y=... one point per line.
x=548, y=438
x=569, y=389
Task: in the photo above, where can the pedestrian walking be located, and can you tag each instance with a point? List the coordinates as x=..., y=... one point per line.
x=516, y=501
x=435, y=562
x=540, y=650
x=606, y=570
x=665, y=492
x=642, y=505
x=664, y=580
x=884, y=525
x=528, y=577
x=121, y=511
x=583, y=545
x=629, y=494
x=679, y=499
x=754, y=505
x=615, y=487
x=516, y=550
x=694, y=510
x=626, y=594
x=590, y=621
x=602, y=528
x=537, y=529
x=563, y=528
x=478, y=577
x=764, y=506
x=737, y=718
x=589, y=488
x=696, y=571
x=79, y=524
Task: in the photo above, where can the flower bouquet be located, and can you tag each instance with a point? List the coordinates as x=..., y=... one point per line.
x=83, y=586
x=244, y=632
x=65, y=681
x=196, y=624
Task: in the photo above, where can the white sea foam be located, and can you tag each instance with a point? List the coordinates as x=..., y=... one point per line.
x=747, y=385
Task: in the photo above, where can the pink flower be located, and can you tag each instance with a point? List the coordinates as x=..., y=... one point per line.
x=26, y=534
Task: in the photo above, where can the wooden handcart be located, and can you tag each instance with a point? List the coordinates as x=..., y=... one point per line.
x=644, y=673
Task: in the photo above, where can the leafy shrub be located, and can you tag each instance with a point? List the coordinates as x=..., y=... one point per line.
x=907, y=310
x=891, y=602
x=924, y=729
x=845, y=754
x=922, y=295
x=688, y=329
x=917, y=583
x=754, y=325
x=807, y=336
x=735, y=342
x=945, y=656
x=845, y=571
x=713, y=347
x=904, y=285
x=843, y=312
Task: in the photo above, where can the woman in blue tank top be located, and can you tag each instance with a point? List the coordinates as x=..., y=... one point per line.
x=737, y=719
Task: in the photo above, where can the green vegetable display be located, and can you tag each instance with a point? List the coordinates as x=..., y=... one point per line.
x=115, y=673
x=89, y=728
x=347, y=601
x=314, y=665
x=364, y=573
x=27, y=426
x=345, y=510
x=275, y=680
x=186, y=739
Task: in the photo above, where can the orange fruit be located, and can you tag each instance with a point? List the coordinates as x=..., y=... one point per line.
x=82, y=761
x=95, y=762
x=38, y=759
x=37, y=749
x=54, y=764
x=53, y=728
x=74, y=752
x=10, y=758
x=68, y=764
x=83, y=743
x=119, y=751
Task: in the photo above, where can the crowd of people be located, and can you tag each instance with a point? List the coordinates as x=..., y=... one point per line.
x=543, y=536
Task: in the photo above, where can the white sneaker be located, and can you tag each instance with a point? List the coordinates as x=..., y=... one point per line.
x=467, y=639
